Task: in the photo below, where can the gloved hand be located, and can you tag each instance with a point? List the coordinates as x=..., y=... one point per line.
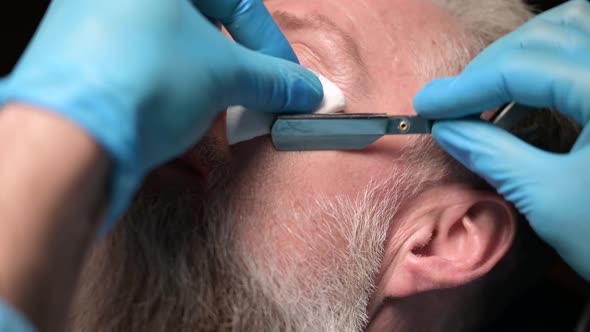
x=545, y=63
x=147, y=77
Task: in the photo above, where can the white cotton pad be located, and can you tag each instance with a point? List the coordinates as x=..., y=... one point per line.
x=243, y=124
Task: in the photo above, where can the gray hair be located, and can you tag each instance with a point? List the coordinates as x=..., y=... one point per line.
x=150, y=276
x=487, y=21
x=482, y=22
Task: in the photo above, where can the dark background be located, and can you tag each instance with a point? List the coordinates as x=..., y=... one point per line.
x=19, y=19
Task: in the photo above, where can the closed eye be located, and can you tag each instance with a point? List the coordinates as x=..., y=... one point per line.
x=321, y=44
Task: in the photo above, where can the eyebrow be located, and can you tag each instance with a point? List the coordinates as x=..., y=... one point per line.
x=345, y=42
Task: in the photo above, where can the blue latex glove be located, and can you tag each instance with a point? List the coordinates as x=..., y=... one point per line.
x=546, y=63
x=147, y=77
x=12, y=320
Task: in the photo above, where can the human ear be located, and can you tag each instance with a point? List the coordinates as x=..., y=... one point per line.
x=458, y=235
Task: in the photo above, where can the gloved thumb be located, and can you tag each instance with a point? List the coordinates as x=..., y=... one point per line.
x=509, y=164
x=265, y=83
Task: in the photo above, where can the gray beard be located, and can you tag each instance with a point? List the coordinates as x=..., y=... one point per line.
x=177, y=263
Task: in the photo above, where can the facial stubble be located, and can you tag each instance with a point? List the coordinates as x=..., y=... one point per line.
x=180, y=262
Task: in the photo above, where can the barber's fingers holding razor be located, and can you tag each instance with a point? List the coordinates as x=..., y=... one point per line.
x=545, y=63
x=147, y=77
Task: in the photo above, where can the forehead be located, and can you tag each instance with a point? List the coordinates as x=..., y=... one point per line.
x=390, y=35
x=395, y=16
x=386, y=30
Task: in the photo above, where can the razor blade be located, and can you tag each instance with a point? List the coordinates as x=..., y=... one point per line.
x=346, y=131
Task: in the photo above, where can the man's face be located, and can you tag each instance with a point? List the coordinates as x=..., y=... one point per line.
x=297, y=237
x=371, y=50
x=303, y=207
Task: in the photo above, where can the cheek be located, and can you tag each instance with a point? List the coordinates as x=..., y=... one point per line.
x=280, y=192
x=291, y=179
x=345, y=173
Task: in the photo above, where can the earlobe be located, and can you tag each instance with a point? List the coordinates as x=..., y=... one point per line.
x=461, y=238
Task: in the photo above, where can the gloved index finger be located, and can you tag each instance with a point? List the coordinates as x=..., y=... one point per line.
x=457, y=97
x=536, y=78
x=250, y=24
